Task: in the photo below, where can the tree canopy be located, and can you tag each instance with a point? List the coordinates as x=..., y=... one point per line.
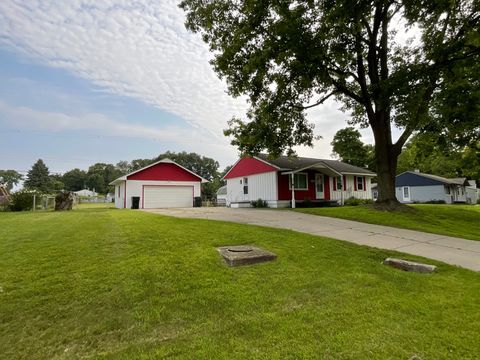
x=348, y=146
x=10, y=178
x=288, y=56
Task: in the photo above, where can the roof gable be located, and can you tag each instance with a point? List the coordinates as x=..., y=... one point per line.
x=163, y=170
x=249, y=166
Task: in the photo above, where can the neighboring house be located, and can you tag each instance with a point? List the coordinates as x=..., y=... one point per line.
x=222, y=195
x=280, y=180
x=414, y=186
x=163, y=184
x=86, y=193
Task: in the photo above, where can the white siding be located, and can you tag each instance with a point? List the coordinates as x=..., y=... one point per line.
x=423, y=194
x=349, y=190
x=260, y=186
x=119, y=195
x=134, y=188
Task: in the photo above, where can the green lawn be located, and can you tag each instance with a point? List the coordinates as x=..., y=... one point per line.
x=452, y=220
x=120, y=284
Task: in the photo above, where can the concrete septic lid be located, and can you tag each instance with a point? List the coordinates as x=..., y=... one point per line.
x=245, y=255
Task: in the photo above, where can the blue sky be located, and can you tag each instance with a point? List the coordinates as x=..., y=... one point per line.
x=86, y=82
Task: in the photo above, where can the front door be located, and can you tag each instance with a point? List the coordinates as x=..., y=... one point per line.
x=319, y=186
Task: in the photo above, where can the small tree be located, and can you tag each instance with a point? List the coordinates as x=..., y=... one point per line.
x=38, y=177
x=349, y=148
x=10, y=178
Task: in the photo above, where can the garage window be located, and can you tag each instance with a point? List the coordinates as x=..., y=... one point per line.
x=245, y=186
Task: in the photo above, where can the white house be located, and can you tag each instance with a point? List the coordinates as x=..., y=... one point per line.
x=163, y=184
x=280, y=180
x=414, y=186
x=86, y=193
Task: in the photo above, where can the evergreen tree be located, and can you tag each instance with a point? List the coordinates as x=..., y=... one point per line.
x=38, y=177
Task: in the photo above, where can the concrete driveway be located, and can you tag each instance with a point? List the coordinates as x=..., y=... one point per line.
x=455, y=251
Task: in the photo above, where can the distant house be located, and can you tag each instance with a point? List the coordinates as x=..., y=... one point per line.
x=414, y=186
x=285, y=181
x=222, y=195
x=86, y=193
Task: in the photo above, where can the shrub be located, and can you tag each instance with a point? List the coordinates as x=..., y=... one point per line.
x=22, y=200
x=352, y=201
x=435, y=202
x=259, y=203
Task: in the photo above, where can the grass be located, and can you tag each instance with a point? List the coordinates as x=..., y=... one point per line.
x=452, y=220
x=118, y=284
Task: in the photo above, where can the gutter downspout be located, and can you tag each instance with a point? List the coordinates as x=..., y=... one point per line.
x=293, y=190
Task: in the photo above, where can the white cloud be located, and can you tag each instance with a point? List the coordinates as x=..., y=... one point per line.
x=139, y=49
x=28, y=119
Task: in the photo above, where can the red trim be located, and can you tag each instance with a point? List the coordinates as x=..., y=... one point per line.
x=249, y=166
x=143, y=191
x=364, y=184
x=344, y=183
x=334, y=183
x=355, y=183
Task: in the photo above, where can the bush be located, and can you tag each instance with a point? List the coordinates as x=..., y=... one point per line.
x=22, y=200
x=352, y=201
x=259, y=203
x=435, y=202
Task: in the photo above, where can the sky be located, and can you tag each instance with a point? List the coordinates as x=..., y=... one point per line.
x=87, y=81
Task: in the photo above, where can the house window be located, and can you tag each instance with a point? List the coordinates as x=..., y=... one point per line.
x=339, y=182
x=299, y=180
x=360, y=183
x=245, y=186
x=447, y=190
x=406, y=193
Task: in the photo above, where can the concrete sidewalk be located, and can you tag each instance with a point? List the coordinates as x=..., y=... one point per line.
x=455, y=251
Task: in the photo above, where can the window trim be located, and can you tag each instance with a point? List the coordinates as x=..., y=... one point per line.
x=339, y=183
x=362, y=187
x=290, y=180
x=245, y=185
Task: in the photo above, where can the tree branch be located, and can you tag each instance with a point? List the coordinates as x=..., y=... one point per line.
x=319, y=102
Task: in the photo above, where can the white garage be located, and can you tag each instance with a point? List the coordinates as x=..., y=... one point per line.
x=164, y=184
x=158, y=196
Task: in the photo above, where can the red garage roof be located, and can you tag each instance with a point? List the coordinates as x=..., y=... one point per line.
x=163, y=170
x=249, y=166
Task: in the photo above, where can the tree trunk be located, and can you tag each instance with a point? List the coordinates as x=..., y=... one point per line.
x=386, y=159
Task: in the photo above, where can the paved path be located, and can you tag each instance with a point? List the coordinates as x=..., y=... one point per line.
x=455, y=251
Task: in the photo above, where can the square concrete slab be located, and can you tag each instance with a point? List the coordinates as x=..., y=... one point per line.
x=245, y=255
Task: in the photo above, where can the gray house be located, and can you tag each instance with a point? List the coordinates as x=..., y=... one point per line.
x=414, y=186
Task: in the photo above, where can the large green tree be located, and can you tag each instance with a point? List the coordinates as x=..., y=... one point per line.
x=348, y=146
x=288, y=56
x=75, y=180
x=38, y=177
x=425, y=153
x=10, y=178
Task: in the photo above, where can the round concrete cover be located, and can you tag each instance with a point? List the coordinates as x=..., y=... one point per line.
x=241, y=248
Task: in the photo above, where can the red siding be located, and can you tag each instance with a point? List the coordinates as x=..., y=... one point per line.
x=249, y=166
x=165, y=172
x=284, y=193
